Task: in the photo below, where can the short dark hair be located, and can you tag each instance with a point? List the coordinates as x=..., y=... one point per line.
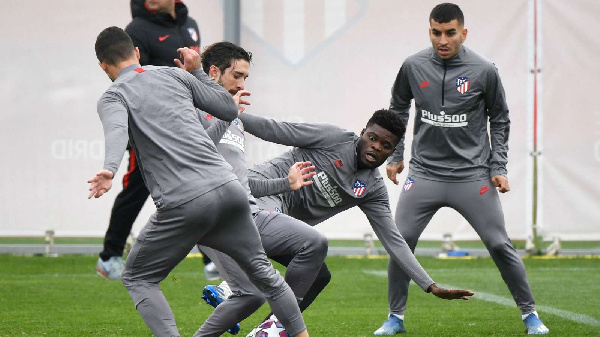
x=222, y=54
x=447, y=12
x=113, y=46
x=389, y=121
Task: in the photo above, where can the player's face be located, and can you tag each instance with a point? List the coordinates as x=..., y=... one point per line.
x=375, y=146
x=163, y=6
x=446, y=38
x=234, y=77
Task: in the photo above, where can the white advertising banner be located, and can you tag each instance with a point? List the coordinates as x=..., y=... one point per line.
x=570, y=146
x=336, y=61
x=50, y=134
x=313, y=61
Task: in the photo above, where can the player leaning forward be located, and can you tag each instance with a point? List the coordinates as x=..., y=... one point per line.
x=452, y=164
x=347, y=175
x=197, y=196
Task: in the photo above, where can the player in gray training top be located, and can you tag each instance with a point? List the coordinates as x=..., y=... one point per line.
x=228, y=65
x=197, y=196
x=456, y=92
x=347, y=175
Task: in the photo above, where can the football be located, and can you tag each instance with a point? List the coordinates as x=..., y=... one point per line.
x=271, y=328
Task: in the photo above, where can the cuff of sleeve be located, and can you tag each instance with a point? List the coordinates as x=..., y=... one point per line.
x=498, y=172
x=395, y=158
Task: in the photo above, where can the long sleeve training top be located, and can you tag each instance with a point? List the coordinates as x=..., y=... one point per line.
x=338, y=184
x=154, y=108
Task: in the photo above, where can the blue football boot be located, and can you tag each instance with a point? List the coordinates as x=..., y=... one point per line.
x=393, y=325
x=534, y=325
x=215, y=295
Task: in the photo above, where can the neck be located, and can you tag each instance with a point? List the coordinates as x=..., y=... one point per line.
x=114, y=71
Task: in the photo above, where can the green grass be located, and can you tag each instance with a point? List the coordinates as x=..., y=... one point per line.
x=43, y=296
x=332, y=243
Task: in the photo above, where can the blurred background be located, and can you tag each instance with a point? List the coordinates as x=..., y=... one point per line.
x=313, y=61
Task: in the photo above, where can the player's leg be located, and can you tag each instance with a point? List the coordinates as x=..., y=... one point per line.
x=479, y=203
x=165, y=240
x=300, y=248
x=246, y=249
x=321, y=281
x=305, y=249
x=284, y=235
x=242, y=297
x=418, y=202
x=125, y=210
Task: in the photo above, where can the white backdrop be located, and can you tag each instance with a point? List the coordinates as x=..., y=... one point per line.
x=332, y=61
x=571, y=120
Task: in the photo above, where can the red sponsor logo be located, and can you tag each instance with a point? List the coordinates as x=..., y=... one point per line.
x=339, y=163
x=483, y=190
x=209, y=116
x=162, y=38
x=139, y=70
x=424, y=84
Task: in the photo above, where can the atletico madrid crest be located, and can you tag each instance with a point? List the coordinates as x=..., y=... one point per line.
x=359, y=188
x=462, y=84
x=409, y=184
x=193, y=34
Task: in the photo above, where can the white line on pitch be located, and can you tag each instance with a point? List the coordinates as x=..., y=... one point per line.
x=579, y=318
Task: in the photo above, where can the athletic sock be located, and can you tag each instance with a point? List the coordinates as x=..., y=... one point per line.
x=533, y=312
x=401, y=317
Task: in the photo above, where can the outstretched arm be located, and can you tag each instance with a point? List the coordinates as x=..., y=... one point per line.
x=377, y=210
x=305, y=135
x=300, y=175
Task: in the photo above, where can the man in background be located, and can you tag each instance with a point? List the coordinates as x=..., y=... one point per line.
x=158, y=29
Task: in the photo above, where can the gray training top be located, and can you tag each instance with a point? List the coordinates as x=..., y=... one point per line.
x=231, y=144
x=153, y=107
x=338, y=184
x=450, y=131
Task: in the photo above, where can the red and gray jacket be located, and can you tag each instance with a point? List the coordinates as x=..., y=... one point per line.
x=158, y=35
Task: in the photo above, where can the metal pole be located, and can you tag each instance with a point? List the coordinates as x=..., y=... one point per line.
x=231, y=21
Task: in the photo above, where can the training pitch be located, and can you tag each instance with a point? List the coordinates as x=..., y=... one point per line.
x=62, y=296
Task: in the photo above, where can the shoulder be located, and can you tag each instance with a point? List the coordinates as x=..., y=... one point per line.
x=478, y=61
x=190, y=22
x=419, y=58
x=137, y=25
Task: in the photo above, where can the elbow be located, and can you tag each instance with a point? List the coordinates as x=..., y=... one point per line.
x=230, y=113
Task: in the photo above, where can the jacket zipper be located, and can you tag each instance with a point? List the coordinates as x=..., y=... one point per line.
x=443, y=82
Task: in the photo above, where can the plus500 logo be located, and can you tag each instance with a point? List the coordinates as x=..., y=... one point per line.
x=443, y=118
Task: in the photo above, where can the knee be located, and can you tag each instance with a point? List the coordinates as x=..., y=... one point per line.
x=499, y=248
x=323, y=278
x=320, y=245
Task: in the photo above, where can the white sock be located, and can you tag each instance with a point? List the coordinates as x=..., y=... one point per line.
x=399, y=316
x=533, y=312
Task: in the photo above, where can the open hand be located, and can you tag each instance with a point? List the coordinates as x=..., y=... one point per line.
x=300, y=175
x=450, y=294
x=100, y=183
